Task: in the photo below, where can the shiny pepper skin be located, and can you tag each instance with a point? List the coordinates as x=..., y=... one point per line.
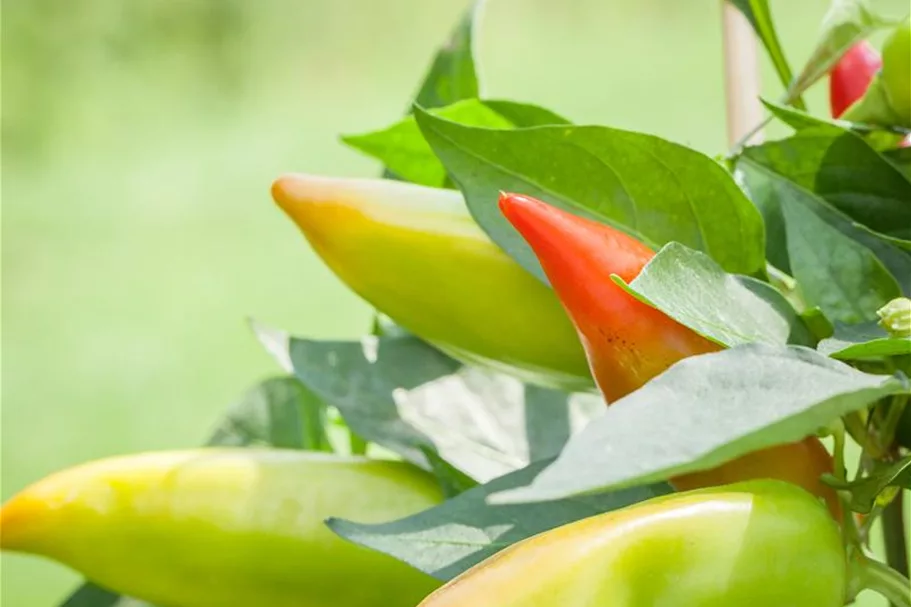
x=849, y=79
x=629, y=342
x=225, y=527
x=756, y=544
x=897, y=71
x=416, y=254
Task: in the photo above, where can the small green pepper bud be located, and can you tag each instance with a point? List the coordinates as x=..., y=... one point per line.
x=895, y=317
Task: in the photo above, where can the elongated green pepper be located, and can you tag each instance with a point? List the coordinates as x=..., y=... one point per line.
x=755, y=544
x=416, y=254
x=225, y=527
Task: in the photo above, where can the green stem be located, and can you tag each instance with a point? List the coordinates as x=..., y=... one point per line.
x=358, y=444
x=893, y=416
x=884, y=580
x=894, y=534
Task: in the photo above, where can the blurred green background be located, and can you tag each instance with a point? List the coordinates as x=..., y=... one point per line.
x=139, y=142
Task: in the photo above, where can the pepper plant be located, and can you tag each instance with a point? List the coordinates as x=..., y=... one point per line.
x=611, y=370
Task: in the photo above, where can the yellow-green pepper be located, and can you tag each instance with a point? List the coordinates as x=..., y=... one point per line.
x=416, y=254
x=760, y=543
x=225, y=527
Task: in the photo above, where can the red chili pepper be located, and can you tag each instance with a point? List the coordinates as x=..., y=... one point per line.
x=628, y=342
x=849, y=79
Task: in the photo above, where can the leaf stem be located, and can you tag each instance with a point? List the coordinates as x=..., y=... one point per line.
x=890, y=424
x=894, y=534
x=884, y=580
x=358, y=444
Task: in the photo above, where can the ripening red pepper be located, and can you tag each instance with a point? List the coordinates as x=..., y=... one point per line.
x=628, y=342
x=852, y=75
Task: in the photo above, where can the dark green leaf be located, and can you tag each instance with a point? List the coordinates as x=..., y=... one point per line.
x=705, y=411
x=866, y=491
x=524, y=114
x=90, y=595
x=402, y=148
x=453, y=481
x=759, y=15
x=453, y=75
x=448, y=539
x=841, y=168
x=406, y=396
x=770, y=191
x=839, y=275
x=656, y=190
x=279, y=412
x=847, y=23
x=868, y=340
x=693, y=290
x=901, y=159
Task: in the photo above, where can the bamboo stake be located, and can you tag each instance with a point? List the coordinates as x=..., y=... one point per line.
x=741, y=76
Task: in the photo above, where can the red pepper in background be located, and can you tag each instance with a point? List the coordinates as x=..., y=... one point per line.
x=852, y=75
x=628, y=342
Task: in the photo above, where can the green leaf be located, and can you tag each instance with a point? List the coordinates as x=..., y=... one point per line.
x=867, y=340
x=880, y=138
x=759, y=15
x=279, y=412
x=693, y=290
x=771, y=191
x=705, y=411
x=524, y=114
x=900, y=159
x=656, y=190
x=453, y=75
x=453, y=481
x=846, y=23
x=408, y=397
x=90, y=595
x=841, y=168
x=448, y=539
x=839, y=275
x=866, y=491
x=403, y=150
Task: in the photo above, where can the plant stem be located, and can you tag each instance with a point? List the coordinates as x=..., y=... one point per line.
x=887, y=582
x=358, y=444
x=894, y=534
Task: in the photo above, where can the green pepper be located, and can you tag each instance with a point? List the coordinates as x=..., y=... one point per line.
x=225, y=527
x=897, y=71
x=416, y=254
x=761, y=543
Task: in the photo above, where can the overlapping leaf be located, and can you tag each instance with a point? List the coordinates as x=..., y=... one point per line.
x=448, y=539
x=656, y=190
x=703, y=412
x=868, y=340
x=731, y=310
x=831, y=247
x=405, y=152
x=408, y=397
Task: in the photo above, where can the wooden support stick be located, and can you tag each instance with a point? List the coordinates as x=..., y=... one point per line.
x=741, y=76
